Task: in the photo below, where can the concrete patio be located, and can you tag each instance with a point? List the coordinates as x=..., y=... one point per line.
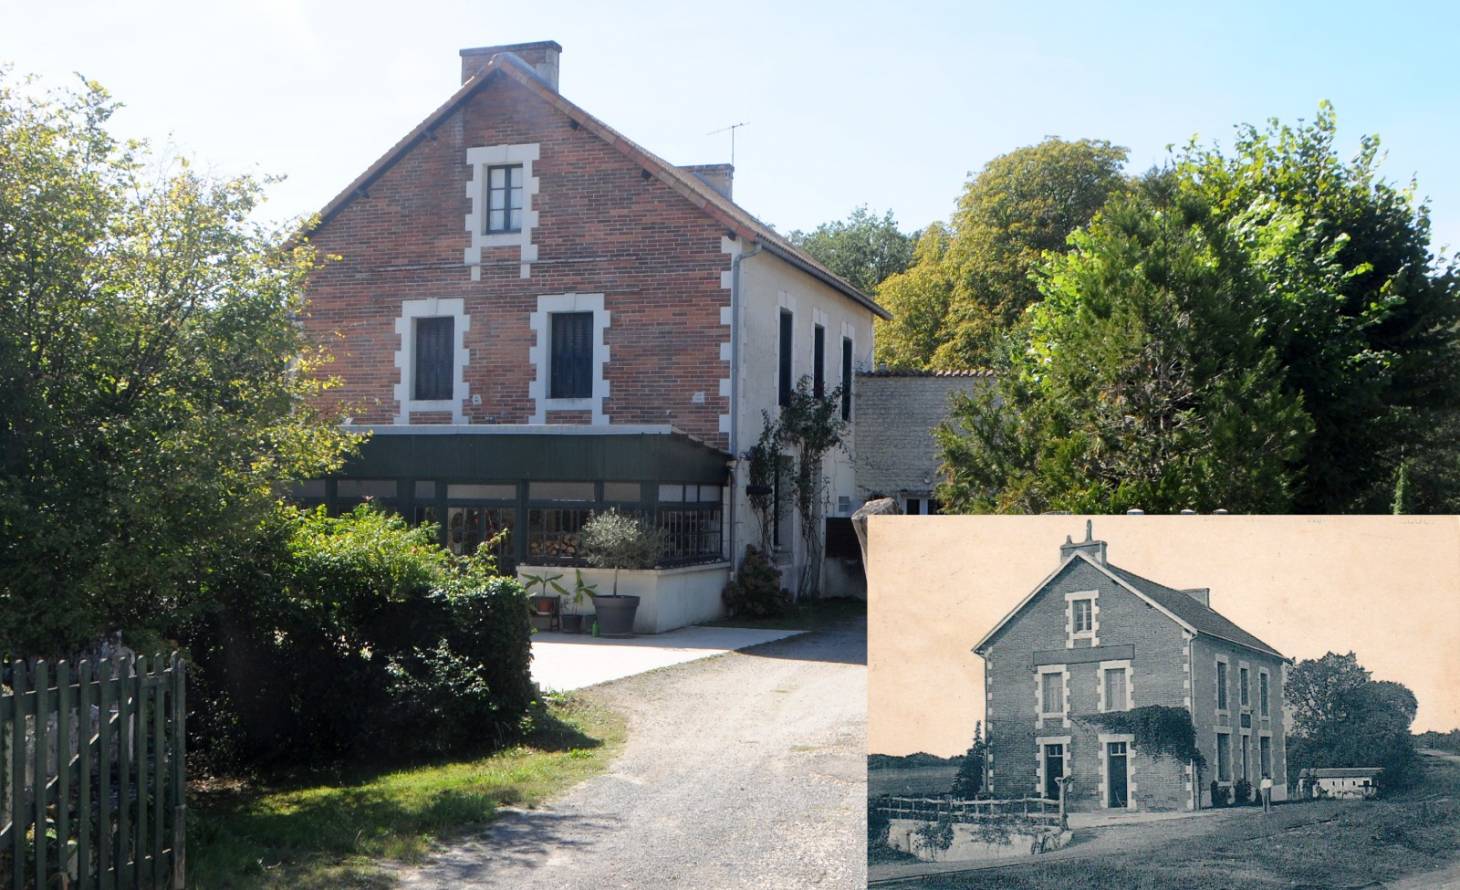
x=561, y=662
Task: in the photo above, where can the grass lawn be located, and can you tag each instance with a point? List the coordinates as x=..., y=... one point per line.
x=333, y=834
x=815, y=615
x=1319, y=845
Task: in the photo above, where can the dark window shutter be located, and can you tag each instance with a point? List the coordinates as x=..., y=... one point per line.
x=818, y=369
x=846, y=378
x=786, y=384
x=434, y=338
x=571, y=371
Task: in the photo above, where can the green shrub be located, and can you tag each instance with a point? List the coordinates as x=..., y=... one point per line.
x=756, y=590
x=1220, y=794
x=1241, y=793
x=355, y=637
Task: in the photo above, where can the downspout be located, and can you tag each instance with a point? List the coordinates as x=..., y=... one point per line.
x=735, y=313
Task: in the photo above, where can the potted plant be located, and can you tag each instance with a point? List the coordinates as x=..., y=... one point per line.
x=573, y=621
x=616, y=540
x=544, y=604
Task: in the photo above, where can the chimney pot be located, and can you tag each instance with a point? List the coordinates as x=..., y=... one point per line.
x=1092, y=548
x=720, y=177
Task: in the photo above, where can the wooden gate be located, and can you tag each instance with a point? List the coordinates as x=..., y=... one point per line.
x=92, y=782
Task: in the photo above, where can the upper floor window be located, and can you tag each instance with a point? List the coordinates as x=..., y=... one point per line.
x=433, y=353
x=818, y=367
x=1084, y=613
x=1242, y=687
x=1262, y=692
x=846, y=378
x=504, y=198
x=570, y=375
x=785, y=381
x=1221, y=686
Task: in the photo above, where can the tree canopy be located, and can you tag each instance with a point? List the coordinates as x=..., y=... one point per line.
x=154, y=384
x=1140, y=381
x=1344, y=718
x=864, y=248
x=1276, y=301
x=1018, y=206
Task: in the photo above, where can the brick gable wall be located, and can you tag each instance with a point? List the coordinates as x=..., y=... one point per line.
x=602, y=228
x=1158, y=678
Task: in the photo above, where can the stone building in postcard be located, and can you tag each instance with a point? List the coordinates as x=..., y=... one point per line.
x=1094, y=638
x=537, y=318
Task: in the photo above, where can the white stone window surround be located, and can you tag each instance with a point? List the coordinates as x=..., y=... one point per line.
x=1130, y=695
x=1217, y=684
x=480, y=159
x=1062, y=715
x=1039, y=745
x=1130, y=768
x=1264, y=681
x=1244, y=667
x=538, y=355
x=1093, y=634
x=849, y=334
x=1231, y=766
x=405, y=358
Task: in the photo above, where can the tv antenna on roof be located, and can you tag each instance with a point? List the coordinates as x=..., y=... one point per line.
x=731, y=129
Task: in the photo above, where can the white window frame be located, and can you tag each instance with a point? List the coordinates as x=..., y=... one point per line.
x=1062, y=715
x=1130, y=696
x=1093, y=634
x=480, y=158
x=1217, y=755
x=405, y=359
x=540, y=355
x=1217, y=685
x=1130, y=768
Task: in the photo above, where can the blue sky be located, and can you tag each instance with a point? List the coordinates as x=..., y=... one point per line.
x=891, y=105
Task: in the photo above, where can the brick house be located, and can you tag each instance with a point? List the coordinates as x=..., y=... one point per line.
x=536, y=318
x=1094, y=638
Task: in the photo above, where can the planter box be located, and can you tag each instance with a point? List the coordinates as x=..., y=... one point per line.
x=668, y=598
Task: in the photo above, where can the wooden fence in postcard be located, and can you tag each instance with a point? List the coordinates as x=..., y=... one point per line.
x=934, y=809
x=92, y=781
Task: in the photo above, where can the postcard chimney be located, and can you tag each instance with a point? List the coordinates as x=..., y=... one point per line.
x=541, y=57
x=1202, y=595
x=1092, y=548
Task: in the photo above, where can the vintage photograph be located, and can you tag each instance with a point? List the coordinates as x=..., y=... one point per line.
x=1173, y=701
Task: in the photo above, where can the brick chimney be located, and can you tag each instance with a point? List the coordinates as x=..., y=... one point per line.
x=720, y=177
x=1202, y=595
x=541, y=56
x=1090, y=547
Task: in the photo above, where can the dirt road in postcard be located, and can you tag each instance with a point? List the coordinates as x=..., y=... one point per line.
x=746, y=770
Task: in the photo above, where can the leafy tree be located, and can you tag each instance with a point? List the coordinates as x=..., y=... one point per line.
x=1140, y=381
x=809, y=427
x=154, y=384
x=1362, y=316
x=1343, y=718
x=969, y=781
x=864, y=248
x=919, y=300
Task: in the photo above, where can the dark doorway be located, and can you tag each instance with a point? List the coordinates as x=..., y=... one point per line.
x=1115, y=765
x=1054, y=770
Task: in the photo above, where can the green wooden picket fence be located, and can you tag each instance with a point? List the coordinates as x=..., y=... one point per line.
x=92, y=781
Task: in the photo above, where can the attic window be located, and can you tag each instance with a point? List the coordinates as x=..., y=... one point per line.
x=1083, y=610
x=1082, y=618
x=504, y=199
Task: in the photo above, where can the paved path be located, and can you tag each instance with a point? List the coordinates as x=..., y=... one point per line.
x=573, y=661
x=745, y=771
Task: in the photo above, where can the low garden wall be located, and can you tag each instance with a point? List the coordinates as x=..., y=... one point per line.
x=668, y=598
x=971, y=841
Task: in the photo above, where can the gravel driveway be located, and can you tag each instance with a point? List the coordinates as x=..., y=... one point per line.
x=746, y=770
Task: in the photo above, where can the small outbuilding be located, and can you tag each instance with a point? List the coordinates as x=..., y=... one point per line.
x=1339, y=782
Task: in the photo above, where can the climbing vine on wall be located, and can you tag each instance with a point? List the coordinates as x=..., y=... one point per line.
x=1158, y=730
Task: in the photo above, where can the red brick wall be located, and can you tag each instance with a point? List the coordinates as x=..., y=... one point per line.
x=602, y=228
